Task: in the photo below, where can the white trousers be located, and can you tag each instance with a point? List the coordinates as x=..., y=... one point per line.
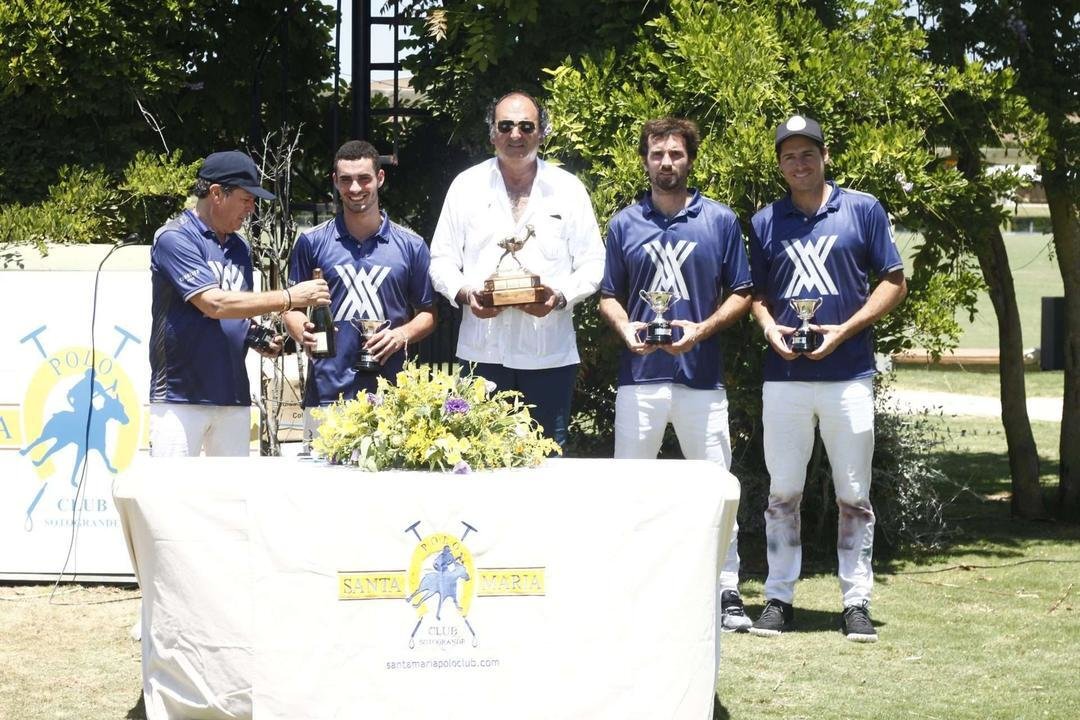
x=844, y=412
x=182, y=429
x=700, y=419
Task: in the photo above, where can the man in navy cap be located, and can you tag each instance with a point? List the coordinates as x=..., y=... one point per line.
x=820, y=244
x=202, y=301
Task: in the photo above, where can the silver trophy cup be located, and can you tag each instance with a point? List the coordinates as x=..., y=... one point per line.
x=658, y=332
x=365, y=361
x=804, y=339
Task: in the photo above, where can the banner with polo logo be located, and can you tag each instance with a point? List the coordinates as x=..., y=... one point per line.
x=72, y=417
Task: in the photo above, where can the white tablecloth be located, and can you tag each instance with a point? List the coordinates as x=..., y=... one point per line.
x=277, y=589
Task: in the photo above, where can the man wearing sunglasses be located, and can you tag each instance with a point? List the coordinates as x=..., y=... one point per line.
x=529, y=348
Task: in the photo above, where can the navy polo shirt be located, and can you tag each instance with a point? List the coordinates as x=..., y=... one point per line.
x=193, y=358
x=384, y=277
x=829, y=255
x=699, y=255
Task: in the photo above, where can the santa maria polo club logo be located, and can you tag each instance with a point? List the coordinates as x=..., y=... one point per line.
x=80, y=407
x=439, y=585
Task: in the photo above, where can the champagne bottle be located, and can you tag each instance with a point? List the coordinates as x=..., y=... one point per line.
x=320, y=317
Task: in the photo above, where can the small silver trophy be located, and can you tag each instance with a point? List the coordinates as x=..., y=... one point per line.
x=365, y=361
x=658, y=332
x=804, y=339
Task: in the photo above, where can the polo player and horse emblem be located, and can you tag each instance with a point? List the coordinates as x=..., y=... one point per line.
x=85, y=426
x=448, y=578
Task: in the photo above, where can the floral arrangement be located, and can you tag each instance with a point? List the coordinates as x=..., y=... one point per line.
x=432, y=420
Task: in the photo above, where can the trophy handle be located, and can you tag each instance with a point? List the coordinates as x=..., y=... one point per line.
x=383, y=325
x=643, y=296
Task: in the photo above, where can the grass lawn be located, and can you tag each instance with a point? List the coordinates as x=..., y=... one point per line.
x=986, y=628
x=71, y=659
x=1035, y=274
x=983, y=381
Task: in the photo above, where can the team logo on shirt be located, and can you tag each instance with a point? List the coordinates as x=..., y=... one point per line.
x=80, y=408
x=810, y=274
x=361, y=292
x=229, y=277
x=439, y=586
x=669, y=260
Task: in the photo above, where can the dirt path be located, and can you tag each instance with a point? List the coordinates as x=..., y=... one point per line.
x=1046, y=409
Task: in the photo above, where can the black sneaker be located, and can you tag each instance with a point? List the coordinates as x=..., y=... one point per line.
x=855, y=623
x=732, y=614
x=774, y=619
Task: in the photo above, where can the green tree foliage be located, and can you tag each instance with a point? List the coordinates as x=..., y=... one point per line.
x=90, y=83
x=71, y=77
x=468, y=53
x=86, y=205
x=1039, y=43
x=739, y=68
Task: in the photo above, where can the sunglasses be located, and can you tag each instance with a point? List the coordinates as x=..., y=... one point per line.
x=527, y=127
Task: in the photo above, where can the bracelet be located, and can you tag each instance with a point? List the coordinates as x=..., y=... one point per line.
x=288, y=300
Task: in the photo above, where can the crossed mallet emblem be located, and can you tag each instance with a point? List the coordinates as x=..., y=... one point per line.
x=442, y=580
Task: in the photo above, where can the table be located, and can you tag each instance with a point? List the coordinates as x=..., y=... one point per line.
x=288, y=589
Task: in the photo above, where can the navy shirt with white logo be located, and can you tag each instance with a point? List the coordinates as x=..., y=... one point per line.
x=697, y=254
x=193, y=358
x=384, y=276
x=829, y=256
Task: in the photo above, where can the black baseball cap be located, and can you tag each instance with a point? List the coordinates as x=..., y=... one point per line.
x=799, y=125
x=235, y=169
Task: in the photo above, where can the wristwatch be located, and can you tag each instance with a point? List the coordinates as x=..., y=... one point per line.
x=562, y=301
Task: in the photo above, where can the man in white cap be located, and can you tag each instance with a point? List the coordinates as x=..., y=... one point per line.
x=820, y=244
x=202, y=300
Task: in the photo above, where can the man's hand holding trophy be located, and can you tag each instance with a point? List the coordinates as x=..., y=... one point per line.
x=515, y=286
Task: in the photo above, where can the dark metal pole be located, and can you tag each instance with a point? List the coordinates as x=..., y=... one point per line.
x=283, y=38
x=336, y=108
x=361, y=68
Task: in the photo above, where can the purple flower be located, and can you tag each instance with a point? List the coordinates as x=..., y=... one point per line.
x=374, y=399
x=455, y=405
x=462, y=467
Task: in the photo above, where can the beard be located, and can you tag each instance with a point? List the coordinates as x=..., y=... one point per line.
x=668, y=182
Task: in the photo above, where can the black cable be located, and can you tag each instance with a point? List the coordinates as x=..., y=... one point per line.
x=967, y=566
x=132, y=239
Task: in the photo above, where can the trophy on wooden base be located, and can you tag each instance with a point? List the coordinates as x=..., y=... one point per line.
x=658, y=332
x=365, y=360
x=509, y=287
x=804, y=339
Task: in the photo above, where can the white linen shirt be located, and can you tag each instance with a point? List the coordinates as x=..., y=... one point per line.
x=566, y=253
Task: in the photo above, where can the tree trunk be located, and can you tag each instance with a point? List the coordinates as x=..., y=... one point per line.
x=982, y=229
x=1027, y=499
x=1066, y=226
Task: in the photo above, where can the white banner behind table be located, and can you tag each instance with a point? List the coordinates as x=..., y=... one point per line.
x=46, y=350
x=583, y=589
